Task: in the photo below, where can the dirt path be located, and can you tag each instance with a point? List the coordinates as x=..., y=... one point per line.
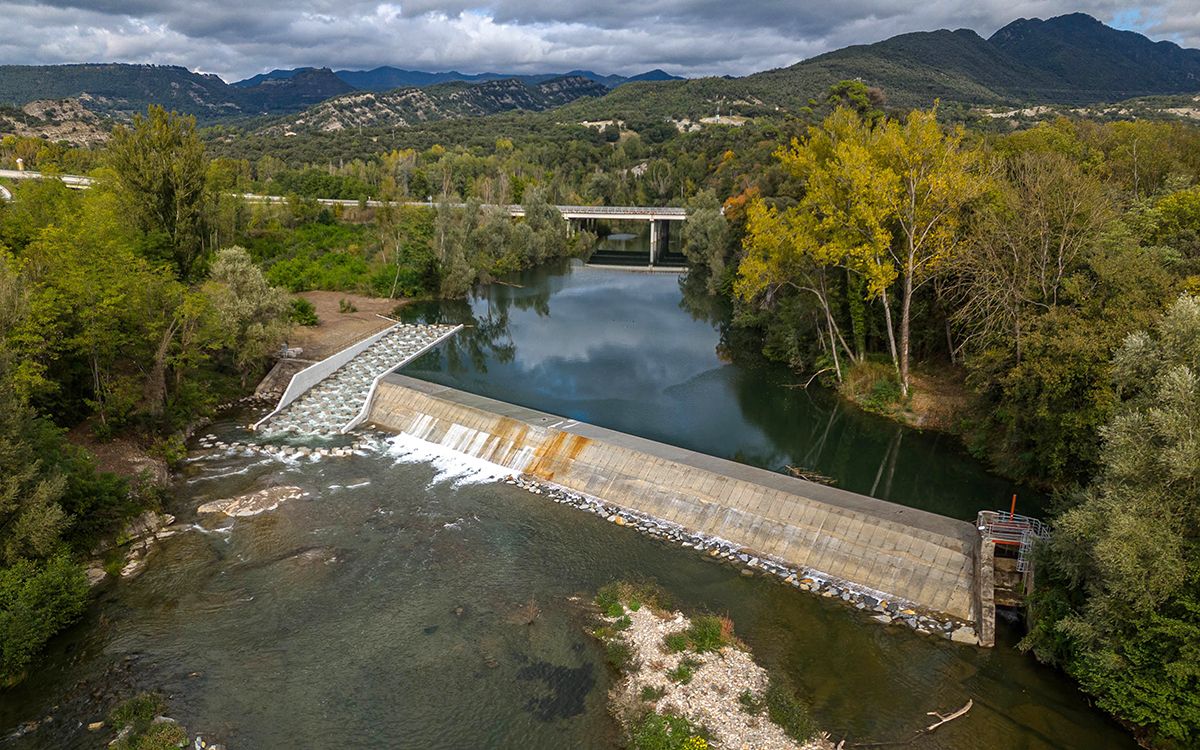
x=121, y=455
x=336, y=329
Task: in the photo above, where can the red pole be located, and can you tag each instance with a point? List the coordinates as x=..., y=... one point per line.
x=1013, y=511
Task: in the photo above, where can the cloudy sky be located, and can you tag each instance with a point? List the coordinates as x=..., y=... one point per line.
x=237, y=38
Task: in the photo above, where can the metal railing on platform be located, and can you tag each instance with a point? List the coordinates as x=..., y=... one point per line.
x=1012, y=530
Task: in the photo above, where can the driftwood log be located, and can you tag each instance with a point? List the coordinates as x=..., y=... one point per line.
x=942, y=719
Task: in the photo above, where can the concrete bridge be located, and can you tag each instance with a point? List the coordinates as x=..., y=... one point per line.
x=655, y=215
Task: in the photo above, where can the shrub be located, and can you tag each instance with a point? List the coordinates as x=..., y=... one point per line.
x=346, y=306
x=676, y=642
x=623, y=623
x=786, y=710
x=607, y=597
x=884, y=393
x=686, y=670
x=138, y=713
x=650, y=693
x=659, y=732
x=37, y=599
x=619, y=655
x=303, y=312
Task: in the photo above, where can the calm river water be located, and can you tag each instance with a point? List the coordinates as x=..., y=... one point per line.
x=386, y=608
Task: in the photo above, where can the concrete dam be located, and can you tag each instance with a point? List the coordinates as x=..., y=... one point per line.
x=904, y=553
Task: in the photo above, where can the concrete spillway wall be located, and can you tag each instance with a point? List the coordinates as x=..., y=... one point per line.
x=903, y=552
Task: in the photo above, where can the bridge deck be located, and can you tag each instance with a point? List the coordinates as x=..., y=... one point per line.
x=630, y=213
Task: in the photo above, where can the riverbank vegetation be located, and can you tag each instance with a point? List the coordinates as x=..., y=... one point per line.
x=1037, y=264
x=118, y=313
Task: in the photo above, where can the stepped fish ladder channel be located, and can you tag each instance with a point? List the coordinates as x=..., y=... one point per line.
x=386, y=606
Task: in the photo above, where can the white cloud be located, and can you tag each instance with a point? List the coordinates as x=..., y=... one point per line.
x=237, y=38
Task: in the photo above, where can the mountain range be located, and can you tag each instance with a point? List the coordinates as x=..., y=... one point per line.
x=1068, y=60
x=386, y=77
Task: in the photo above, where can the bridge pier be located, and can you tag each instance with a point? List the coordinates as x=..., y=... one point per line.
x=653, y=242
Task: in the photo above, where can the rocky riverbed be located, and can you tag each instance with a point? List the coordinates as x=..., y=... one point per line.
x=721, y=692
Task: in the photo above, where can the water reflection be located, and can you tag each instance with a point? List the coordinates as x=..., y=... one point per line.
x=652, y=355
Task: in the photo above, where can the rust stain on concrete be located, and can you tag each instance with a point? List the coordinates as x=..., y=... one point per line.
x=556, y=454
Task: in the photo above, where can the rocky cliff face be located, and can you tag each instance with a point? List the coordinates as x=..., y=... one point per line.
x=67, y=120
x=406, y=106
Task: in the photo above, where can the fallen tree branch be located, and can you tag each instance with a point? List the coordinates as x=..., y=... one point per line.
x=951, y=717
x=810, y=380
x=921, y=732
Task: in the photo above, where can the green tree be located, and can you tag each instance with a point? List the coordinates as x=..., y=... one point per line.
x=706, y=237
x=160, y=174
x=1119, y=599
x=253, y=315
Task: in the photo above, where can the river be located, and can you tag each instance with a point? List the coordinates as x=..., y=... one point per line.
x=388, y=607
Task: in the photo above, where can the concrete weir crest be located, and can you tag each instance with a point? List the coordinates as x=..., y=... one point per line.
x=905, y=553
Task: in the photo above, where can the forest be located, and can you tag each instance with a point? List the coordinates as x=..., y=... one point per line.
x=1044, y=277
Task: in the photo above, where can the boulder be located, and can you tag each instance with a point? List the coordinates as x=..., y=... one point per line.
x=253, y=503
x=95, y=574
x=965, y=634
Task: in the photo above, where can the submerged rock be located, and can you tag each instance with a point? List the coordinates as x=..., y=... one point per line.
x=253, y=503
x=965, y=634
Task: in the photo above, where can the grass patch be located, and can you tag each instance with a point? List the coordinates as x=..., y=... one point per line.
x=874, y=386
x=751, y=703
x=686, y=670
x=623, y=623
x=138, y=714
x=651, y=694
x=633, y=594
x=666, y=732
x=707, y=633
x=619, y=655
x=786, y=710
x=676, y=642
x=710, y=633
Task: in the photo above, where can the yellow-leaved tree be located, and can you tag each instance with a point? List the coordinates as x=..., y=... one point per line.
x=881, y=201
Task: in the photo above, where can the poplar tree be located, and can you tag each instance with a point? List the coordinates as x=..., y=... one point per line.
x=160, y=171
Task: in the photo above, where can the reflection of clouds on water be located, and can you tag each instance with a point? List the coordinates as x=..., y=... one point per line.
x=637, y=352
x=613, y=319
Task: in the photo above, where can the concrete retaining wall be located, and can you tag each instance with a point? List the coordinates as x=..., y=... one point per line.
x=310, y=376
x=910, y=554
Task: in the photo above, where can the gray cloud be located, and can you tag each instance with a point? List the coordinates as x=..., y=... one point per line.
x=237, y=38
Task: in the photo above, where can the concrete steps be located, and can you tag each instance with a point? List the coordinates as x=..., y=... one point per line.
x=331, y=404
